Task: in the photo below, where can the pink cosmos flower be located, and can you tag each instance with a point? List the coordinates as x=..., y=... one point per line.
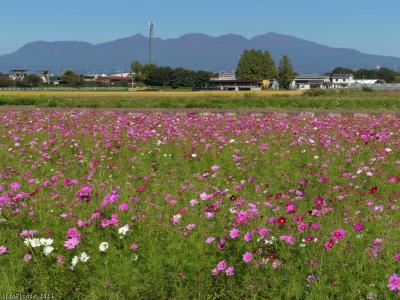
x=247, y=257
x=248, y=236
x=291, y=208
x=338, y=234
x=194, y=202
x=222, y=265
x=27, y=233
x=3, y=250
x=394, y=282
x=315, y=226
x=105, y=223
x=319, y=201
x=191, y=227
x=329, y=244
x=397, y=257
x=123, y=206
x=243, y=217
x=234, y=233
x=81, y=223
x=358, y=227
x=134, y=246
x=27, y=257
x=210, y=240
x=84, y=193
x=73, y=233
x=4, y=199
x=230, y=271
x=289, y=239
x=60, y=259
x=276, y=264
x=15, y=186
x=302, y=226
x=176, y=219
x=215, y=168
x=94, y=216
x=263, y=231
x=264, y=147
x=71, y=243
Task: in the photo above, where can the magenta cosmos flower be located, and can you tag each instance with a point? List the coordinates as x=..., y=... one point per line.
x=329, y=244
x=71, y=243
x=397, y=257
x=222, y=265
x=15, y=186
x=123, y=206
x=3, y=250
x=230, y=271
x=394, y=282
x=234, y=233
x=338, y=234
x=247, y=257
x=73, y=233
x=358, y=227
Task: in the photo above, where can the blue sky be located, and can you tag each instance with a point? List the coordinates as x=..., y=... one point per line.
x=367, y=25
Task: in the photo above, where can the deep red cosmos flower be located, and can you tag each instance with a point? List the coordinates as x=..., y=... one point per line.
x=281, y=220
x=373, y=190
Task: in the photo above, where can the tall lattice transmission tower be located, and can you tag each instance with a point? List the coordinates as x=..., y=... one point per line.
x=152, y=26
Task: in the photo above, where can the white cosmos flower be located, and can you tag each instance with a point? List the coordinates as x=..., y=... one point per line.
x=46, y=242
x=84, y=257
x=123, y=230
x=74, y=261
x=34, y=243
x=47, y=250
x=103, y=246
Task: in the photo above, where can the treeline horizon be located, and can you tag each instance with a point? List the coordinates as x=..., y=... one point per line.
x=389, y=75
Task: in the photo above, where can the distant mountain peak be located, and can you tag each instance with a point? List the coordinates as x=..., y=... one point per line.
x=192, y=50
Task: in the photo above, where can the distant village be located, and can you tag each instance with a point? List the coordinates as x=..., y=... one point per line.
x=224, y=81
x=19, y=75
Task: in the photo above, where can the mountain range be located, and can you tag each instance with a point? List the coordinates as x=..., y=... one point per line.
x=193, y=51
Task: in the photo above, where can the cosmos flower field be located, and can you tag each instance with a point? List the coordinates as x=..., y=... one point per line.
x=119, y=205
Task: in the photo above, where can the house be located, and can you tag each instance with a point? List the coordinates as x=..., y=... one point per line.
x=44, y=76
x=306, y=82
x=343, y=80
x=18, y=74
x=228, y=82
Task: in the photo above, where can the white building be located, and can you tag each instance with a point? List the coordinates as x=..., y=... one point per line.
x=18, y=75
x=369, y=81
x=344, y=80
x=306, y=82
x=225, y=76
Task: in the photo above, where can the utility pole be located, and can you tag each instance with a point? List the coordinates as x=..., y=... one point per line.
x=151, y=37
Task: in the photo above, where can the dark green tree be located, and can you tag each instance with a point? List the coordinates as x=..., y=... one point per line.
x=256, y=65
x=32, y=80
x=286, y=73
x=138, y=74
x=5, y=81
x=341, y=70
x=72, y=79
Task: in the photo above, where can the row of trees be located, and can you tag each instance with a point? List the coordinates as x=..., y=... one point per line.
x=386, y=74
x=258, y=65
x=154, y=75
